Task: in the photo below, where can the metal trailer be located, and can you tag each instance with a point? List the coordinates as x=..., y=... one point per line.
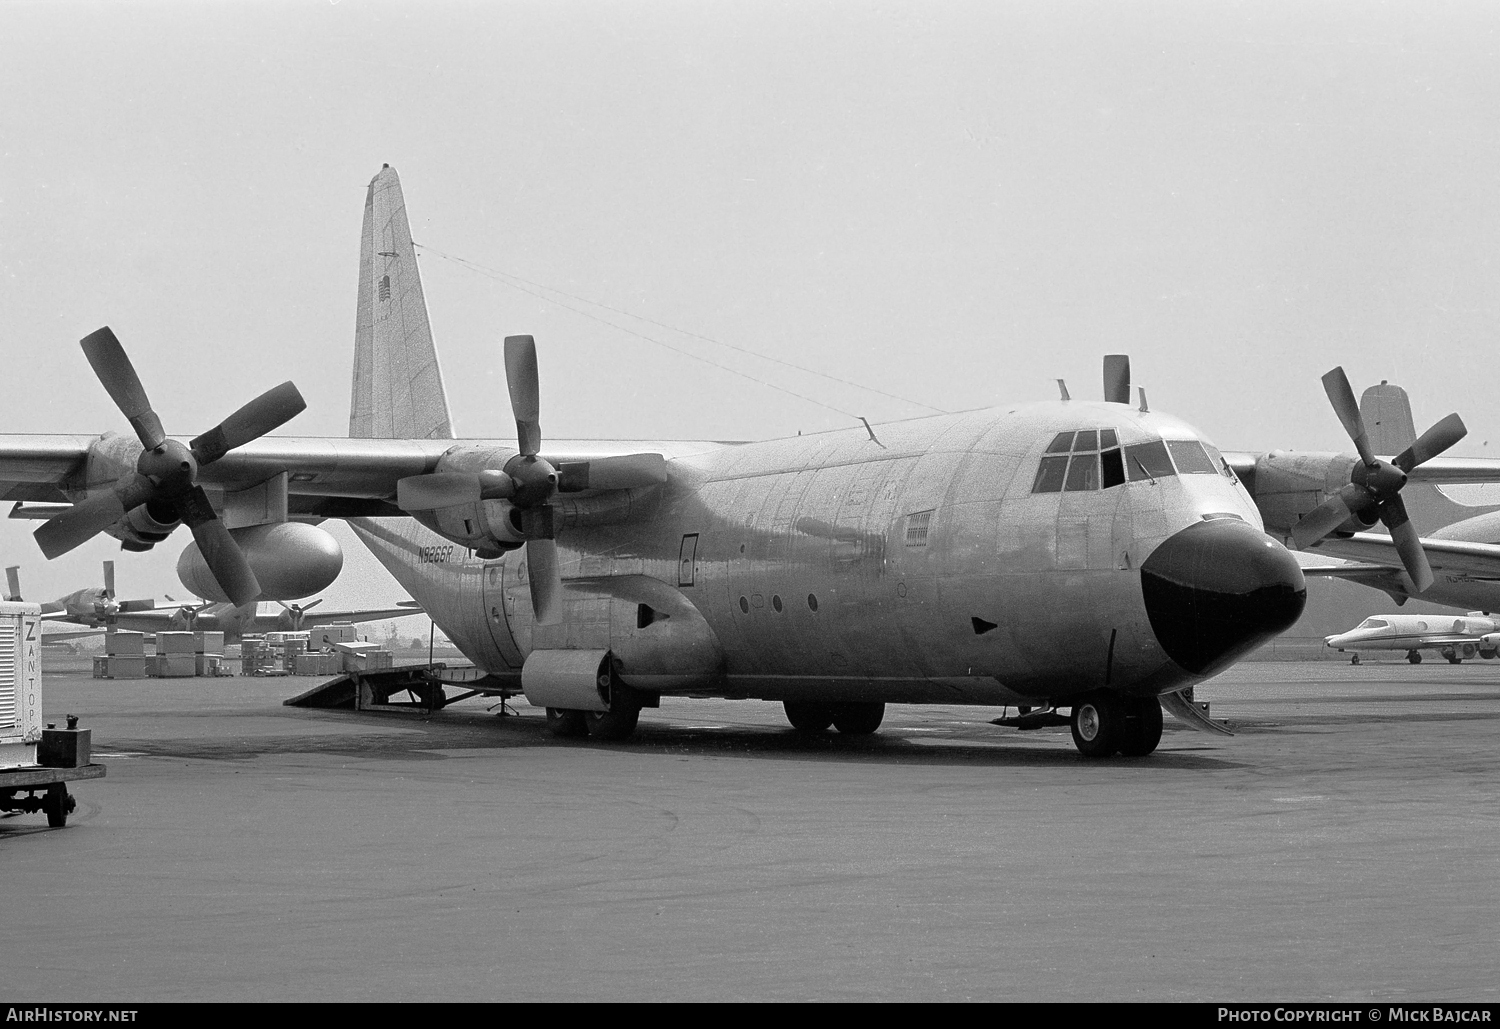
x=36, y=763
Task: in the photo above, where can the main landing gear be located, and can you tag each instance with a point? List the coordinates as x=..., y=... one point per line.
x=1414, y=657
x=851, y=719
x=1105, y=723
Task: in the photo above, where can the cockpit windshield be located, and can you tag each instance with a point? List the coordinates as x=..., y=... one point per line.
x=1092, y=459
x=1374, y=623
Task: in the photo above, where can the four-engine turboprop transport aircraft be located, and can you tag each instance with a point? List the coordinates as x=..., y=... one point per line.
x=1092, y=556
x=1474, y=634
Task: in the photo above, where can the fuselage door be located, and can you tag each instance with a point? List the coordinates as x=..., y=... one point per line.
x=497, y=613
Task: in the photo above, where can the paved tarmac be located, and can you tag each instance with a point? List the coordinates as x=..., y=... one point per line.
x=1344, y=846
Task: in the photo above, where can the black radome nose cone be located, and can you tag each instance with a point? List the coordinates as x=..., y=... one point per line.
x=1217, y=590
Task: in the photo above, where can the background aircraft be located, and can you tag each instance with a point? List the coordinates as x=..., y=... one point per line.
x=1066, y=554
x=97, y=607
x=1454, y=638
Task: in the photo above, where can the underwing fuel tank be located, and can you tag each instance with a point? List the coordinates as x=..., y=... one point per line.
x=1217, y=590
x=291, y=560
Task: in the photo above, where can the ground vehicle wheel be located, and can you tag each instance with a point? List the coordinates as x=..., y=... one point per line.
x=1455, y=660
x=808, y=717
x=1414, y=657
x=858, y=719
x=618, y=723
x=567, y=723
x=1097, y=720
x=1141, y=731
x=57, y=803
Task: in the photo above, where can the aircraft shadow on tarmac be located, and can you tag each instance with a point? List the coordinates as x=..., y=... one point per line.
x=417, y=737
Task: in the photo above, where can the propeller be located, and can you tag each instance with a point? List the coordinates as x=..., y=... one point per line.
x=529, y=481
x=295, y=613
x=167, y=472
x=1374, y=489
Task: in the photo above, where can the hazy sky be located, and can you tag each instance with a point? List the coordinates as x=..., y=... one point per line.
x=956, y=203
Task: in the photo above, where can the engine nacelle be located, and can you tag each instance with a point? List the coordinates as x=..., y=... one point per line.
x=145, y=526
x=490, y=527
x=291, y=560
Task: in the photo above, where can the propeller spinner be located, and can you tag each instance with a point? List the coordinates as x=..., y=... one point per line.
x=167, y=471
x=1374, y=489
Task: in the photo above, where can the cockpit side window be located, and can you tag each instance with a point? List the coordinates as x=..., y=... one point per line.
x=1191, y=458
x=1373, y=623
x=1050, y=474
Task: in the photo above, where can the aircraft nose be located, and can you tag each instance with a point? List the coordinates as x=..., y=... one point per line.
x=1218, y=589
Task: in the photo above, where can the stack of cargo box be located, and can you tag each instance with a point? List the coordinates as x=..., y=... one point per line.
x=208, y=652
x=364, y=657
x=252, y=654
x=325, y=636
x=174, y=655
x=124, y=656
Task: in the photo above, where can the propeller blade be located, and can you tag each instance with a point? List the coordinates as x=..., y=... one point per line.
x=112, y=365
x=109, y=579
x=1341, y=396
x=81, y=522
x=546, y=581
x=13, y=581
x=1117, y=378
x=226, y=561
x=1320, y=521
x=1408, y=544
x=525, y=393
x=308, y=607
x=267, y=412
x=1432, y=443
x=624, y=472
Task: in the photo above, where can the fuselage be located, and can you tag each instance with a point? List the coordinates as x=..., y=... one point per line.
x=996, y=556
x=1413, y=632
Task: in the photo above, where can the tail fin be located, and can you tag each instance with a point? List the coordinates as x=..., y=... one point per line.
x=398, y=386
x=1387, y=414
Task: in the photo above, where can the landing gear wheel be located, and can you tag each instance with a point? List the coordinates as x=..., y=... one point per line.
x=1414, y=657
x=566, y=723
x=858, y=719
x=618, y=723
x=58, y=803
x=1141, y=731
x=808, y=717
x=1097, y=721
x=1354, y=660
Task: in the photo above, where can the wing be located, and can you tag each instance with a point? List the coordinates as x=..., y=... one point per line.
x=1472, y=561
x=370, y=614
x=1434, y=469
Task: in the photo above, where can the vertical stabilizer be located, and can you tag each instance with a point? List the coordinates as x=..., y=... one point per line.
x=1388, y=422
x=398, y=386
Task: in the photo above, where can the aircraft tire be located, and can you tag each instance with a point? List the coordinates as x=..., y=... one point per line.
x=858, y=719
x=1141, y=731
x=567, y=723
x=1097, y=722
x=614, y=725
x=808, y=717
x=1414, y=657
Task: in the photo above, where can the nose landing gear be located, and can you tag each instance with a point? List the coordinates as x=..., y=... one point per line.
x=1105, y=723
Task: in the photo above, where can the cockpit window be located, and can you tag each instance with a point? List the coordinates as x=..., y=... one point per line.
x=1191, y=458
x=1050, y=475
x=1094, y=451
x=1374, y=623
x=1148, y=461
x=1083, y=472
